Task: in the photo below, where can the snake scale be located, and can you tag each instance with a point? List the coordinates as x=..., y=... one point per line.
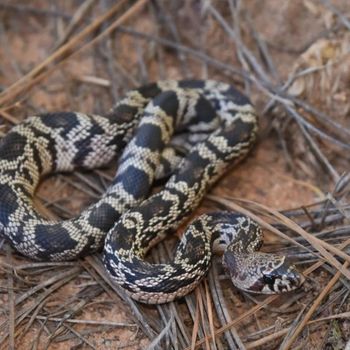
x=189, y=132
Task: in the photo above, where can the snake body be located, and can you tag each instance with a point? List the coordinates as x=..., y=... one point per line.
x=212, y=124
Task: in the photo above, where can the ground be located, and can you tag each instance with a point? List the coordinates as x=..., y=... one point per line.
x=290, y=53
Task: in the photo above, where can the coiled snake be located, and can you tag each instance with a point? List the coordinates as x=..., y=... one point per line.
x=214, y=126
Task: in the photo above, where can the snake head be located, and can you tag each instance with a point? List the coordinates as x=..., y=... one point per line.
x=262, y=273
x=280, y=279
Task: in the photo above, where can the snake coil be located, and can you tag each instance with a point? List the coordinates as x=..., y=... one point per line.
x=194, y=130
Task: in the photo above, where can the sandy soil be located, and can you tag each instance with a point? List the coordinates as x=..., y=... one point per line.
x=267, y=176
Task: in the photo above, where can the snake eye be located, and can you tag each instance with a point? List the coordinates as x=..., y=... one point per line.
x=269, y=280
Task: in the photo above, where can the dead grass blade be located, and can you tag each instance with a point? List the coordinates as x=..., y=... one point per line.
x=76, y=19
x=210, y=314
x=20, y=84
x=78, y=335
x=222, y=310
x=11, y=303
x=156, y=341
x=88, y=322
x=8, y=116
x=282, y=332
x=288, y=342
x=251, y=312
x=54, y=283
x=141, y=319
x=196, y=321
x=202, y=316
x=56, y=278
x=63, y=53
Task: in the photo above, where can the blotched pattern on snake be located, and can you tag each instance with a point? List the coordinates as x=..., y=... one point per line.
x=189, y=132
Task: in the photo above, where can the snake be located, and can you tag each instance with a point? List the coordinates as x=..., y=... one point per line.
x=187, y=133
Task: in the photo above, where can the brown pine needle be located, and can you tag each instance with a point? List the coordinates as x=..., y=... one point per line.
x=11, y=304
x=8, y=116
x=196, y=322
x=276, y=335
x=210, y=313
x=202, y=315
x=287, y=345
x=16, y=87
x=42, y=70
